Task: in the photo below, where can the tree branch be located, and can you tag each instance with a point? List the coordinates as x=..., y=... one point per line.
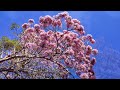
x=24, y=56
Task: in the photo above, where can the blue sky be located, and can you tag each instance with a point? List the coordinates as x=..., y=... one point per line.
x=101, y=24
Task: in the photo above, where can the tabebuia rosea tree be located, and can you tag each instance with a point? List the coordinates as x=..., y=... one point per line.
x=58, y=44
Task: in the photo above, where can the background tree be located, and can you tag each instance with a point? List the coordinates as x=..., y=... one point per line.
x=108, y=61
x=16, y=30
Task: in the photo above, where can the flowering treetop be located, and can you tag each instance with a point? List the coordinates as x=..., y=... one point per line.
x=62, y=40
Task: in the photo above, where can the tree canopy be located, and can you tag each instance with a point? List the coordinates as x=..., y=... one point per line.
x=49, y=49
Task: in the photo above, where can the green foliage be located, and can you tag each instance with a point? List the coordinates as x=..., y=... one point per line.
x=4, y=39
x=17, y=46
x=7, y=44
x=14, y=26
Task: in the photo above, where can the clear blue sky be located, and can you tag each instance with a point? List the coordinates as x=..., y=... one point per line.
x=99, y=23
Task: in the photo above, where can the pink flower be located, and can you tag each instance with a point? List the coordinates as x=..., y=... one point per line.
x=76, y=26
x=82, y=32
x=25, y=25
x=68, y=18
x=89, y=36
x=93, y=77
x=70, y=24
x=50, y=32
x=54, y=23
x=67, y=37
x=89, y=47
x=95, y=51
x=58, y=50
x=88, y=57
x=37, y=26
x=68, y=63
x=59, y=34
x=93, y=61
x=38, y=31
x=76, y=21
x=43, y=35
x=31, y=46
x=41, y=19
x=78, y=72
x=59, y=23
x=24, y=38
x=47, y=52
x=92, y=41
x=81, y=67
x=29, y=30
x=87, y=61
x=56, y=17
x=48, y=19
x=84, y=76
x=63, y=56
x=61, y=15
x=64, y=14
x=65, y=32
x=81, y=27
x=52, y=45
x=88, y=50
x=71, y=52
x=31, y=21
x=75, y=35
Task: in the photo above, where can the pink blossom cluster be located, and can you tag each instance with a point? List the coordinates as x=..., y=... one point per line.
x=31, y=21
x=65, y=45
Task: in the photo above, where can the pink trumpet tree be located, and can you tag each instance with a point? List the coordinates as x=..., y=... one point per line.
x=63, y=41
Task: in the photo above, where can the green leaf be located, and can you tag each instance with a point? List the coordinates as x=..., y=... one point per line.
x=14, y=26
